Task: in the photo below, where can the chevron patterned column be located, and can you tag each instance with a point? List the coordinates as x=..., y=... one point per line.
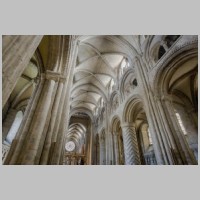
x=131, y=150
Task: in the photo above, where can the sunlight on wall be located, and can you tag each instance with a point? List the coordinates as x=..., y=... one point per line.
x=14, y=128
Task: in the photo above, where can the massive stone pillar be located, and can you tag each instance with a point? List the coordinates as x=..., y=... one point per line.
x=39, y=120
x=62, y=119
x=187, y=154
x=97, y=151
x=89, y=144
x=52, y=128
x=111, y=148
x=116, y=148
x=23, y=132
x=107, y=149
x=17, y=52
x=64, y=107
x=29, y=139
x=102, y=150
x=151, y=111
x=107, y=144
x=131, y=149
x=168, y=138
x=41, y=133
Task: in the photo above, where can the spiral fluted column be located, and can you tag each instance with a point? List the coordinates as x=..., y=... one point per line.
x=131, y=149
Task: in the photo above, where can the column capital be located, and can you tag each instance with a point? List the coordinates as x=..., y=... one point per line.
x=128, y=124
x=51, y=75
x=62, y=79
x=115, y=133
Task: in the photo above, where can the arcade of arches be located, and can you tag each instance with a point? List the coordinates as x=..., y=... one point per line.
x=100, y=100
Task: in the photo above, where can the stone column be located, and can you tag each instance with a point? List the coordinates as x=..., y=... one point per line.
x=17, y=52
x=166, y=133
x=102, y=150
x=23, y=131
x=192, y=130
x=54, y=113
x=116, y=147
x=131, y=149
x=89, y=144
x=39, y=119
x=150, y=109
x=60, y=127
x=98, y=151
x=107, y=149
x=183, y=145
x=71, y=51
x=112, y=160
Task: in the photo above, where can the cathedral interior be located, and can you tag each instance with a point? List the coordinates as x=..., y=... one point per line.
x=100, y=100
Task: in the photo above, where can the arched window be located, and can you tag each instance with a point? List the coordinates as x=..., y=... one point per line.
x=124, y=65
x=14, y=128
x=181, y=123
x=161, y=52
x=166, y=44
x=170, y=39
x=149, y=135
x=111, y=86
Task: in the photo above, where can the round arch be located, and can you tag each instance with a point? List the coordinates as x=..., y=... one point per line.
x=115, y=124
x=133, y=106
x=129, y=75
x=73, y=111
x=175, y=82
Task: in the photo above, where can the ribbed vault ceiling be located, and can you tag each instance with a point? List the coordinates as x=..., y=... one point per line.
x=98, y=62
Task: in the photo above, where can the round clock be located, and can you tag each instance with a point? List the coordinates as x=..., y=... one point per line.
x=70, y=146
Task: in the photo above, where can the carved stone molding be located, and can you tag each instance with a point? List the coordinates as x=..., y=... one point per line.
x=184, y=44
x=62, y=79
x=50, y=75
x=127, y=124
